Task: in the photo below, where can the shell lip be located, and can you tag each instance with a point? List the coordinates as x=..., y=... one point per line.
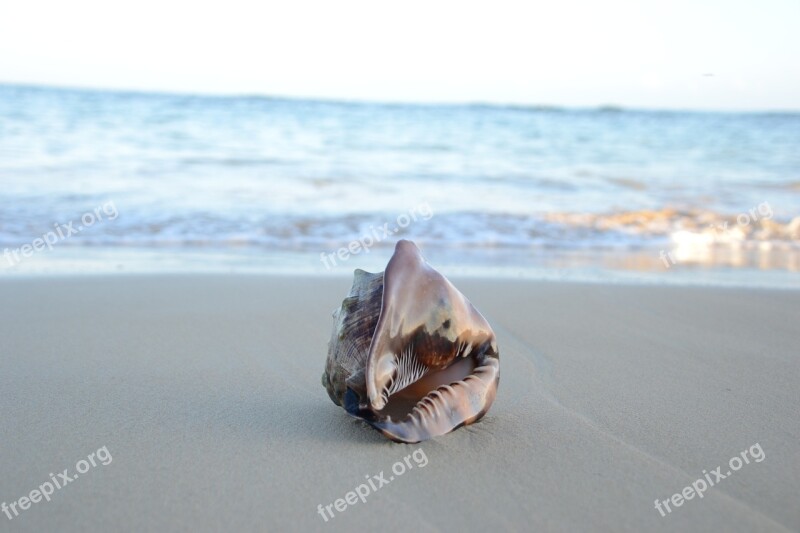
x=410, y=427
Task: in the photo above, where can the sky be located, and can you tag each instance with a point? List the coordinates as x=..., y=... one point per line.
x=681, y=54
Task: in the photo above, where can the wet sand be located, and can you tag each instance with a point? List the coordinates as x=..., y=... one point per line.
x=205, y=391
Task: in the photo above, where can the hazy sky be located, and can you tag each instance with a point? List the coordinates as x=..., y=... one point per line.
x=675, y=54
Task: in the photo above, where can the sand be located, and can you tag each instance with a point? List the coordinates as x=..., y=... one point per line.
x=205, y=391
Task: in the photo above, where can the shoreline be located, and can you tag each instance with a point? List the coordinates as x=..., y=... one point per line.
x=457, y=278
x=604, y=267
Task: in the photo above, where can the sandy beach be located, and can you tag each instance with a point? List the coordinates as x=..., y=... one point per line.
x=205, y=393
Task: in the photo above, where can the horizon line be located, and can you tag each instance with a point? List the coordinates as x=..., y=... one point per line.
x=607, y=107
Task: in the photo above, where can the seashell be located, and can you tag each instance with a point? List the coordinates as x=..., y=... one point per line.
x=409, y=354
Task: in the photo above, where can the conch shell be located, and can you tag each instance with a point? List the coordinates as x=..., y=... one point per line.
x=409, y=354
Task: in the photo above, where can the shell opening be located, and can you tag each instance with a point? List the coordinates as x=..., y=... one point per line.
x=402, y=402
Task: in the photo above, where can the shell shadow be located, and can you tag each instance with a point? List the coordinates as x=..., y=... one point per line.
x=286, y=419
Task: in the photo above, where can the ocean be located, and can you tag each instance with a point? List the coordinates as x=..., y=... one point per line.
x=250, y=182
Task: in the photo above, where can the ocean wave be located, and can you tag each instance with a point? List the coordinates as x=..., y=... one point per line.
x=625, y=230
x=268, y=173
x=699, y=227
